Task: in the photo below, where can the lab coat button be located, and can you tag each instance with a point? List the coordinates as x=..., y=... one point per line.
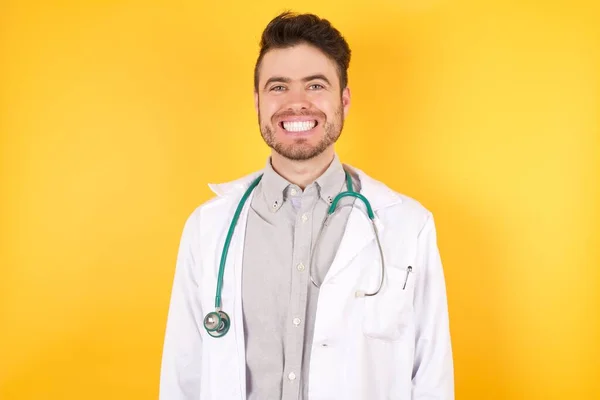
x=304, y=217
x=296, y=321
x=292, y=376
x=300, y=267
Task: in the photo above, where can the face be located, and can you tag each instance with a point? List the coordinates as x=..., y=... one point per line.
x=301, y=109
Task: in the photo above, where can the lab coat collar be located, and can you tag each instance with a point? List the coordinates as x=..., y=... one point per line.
x=379, y=195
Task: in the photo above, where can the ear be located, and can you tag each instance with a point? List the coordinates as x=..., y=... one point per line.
x=256, y=101
x=346, y=100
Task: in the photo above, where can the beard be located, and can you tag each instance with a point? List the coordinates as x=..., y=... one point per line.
x=301, y=149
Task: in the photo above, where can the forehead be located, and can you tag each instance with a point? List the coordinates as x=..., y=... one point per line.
x=297, y=62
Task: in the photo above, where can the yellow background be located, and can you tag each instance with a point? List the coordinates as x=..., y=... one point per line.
x=115, y=115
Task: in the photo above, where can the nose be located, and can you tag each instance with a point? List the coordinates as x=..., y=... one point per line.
x=297, y=100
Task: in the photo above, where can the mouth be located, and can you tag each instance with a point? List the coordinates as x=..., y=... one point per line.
x=298, y=126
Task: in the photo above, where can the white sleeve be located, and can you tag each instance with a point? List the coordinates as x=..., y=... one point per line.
x=182, y=350
x=433, y=371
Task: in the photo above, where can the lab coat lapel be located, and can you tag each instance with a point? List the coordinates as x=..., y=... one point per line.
x=358, y=234
x=238, y=322
x=235, y=260
x=359, y=228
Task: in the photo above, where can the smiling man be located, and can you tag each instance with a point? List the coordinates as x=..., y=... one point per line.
x=308, y=279
x=302, y=102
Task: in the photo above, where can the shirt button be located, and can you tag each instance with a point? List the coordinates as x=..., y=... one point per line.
x=300, y=267
x=296, y=321
x=304, y=217
x=291, y=376
x=294, y=192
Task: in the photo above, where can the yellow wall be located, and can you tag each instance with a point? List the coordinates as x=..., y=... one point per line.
x=115, y=115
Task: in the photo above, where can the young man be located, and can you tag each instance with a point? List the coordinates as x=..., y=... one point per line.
x=269, y=301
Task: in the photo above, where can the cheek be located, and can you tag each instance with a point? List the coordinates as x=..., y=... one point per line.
x=328, y=107
x=267, y=110
x=326, y=102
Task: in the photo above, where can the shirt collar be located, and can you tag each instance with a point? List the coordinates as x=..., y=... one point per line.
x=379, y=194
x=273, y=186
x=332, y=181
x=329, y=184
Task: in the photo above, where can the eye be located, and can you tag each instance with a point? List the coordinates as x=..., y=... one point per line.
x=277, y=88
x=316, y=86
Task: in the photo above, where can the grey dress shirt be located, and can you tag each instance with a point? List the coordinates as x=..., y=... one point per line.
x=278, y=298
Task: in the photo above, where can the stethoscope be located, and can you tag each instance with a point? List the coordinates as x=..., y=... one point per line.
x=217, y=322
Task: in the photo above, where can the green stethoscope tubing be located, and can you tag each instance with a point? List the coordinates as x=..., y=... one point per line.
x=218, y=325
x=236, y=216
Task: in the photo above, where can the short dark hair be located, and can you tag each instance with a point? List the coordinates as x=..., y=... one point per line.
x=289, y=29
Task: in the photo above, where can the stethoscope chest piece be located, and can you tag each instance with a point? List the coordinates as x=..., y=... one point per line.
x=217, y=323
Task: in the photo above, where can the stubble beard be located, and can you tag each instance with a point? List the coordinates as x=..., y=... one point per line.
x=301, y=150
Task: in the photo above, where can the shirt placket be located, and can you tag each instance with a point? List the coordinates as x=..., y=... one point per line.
x=295, y=325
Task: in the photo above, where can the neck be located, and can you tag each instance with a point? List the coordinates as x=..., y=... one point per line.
x=303, y=172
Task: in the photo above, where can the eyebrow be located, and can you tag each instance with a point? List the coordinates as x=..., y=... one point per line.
x=305, y=79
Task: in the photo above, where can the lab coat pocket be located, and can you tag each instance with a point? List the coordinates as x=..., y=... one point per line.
x=387, y=314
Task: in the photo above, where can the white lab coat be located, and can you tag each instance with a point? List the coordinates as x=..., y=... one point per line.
x=394, y=346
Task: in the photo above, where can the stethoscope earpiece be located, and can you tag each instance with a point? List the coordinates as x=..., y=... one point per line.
x=217, y=323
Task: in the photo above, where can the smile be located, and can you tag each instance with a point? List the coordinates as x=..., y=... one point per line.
x=298, y=126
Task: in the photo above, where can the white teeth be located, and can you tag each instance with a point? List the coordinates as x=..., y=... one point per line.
x=299, y=126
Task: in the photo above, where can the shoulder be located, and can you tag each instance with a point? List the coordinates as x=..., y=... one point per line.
x=393, y=204
x=225, y=199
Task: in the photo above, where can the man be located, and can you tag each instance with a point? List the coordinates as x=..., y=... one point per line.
x=360, y=313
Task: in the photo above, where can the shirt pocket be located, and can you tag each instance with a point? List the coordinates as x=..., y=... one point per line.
x=388, y=314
